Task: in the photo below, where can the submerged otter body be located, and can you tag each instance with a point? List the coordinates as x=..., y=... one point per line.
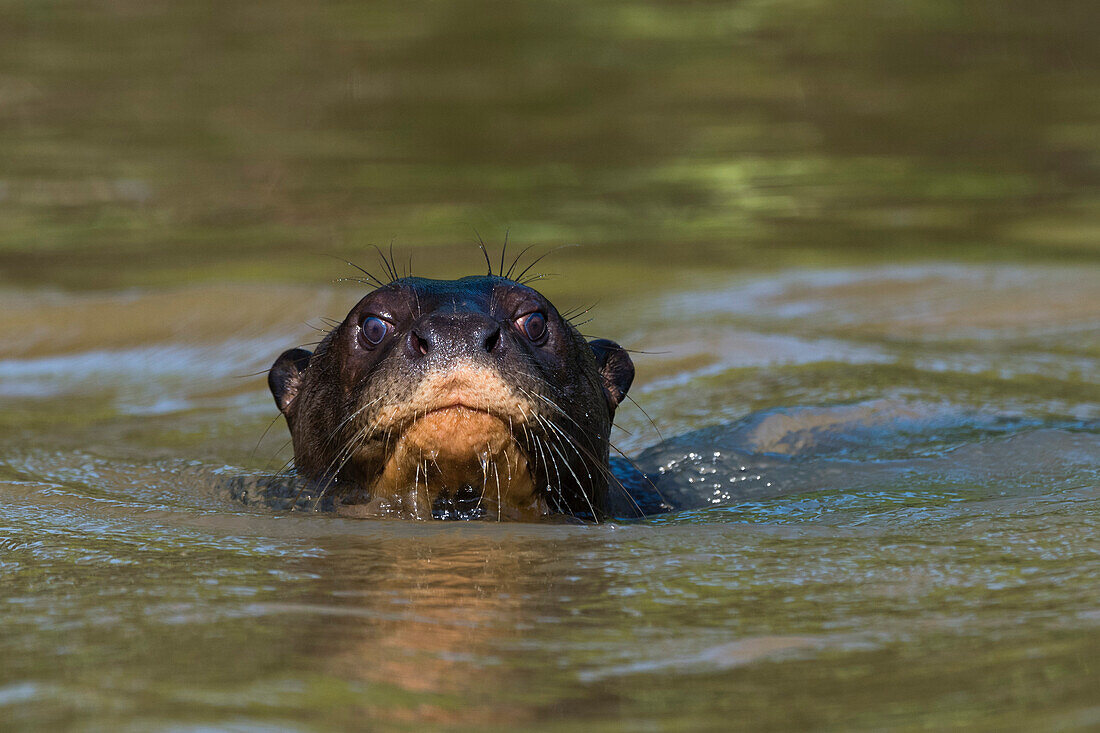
x=471, y=398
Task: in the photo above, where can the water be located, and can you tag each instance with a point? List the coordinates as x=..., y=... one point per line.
x=854, y=246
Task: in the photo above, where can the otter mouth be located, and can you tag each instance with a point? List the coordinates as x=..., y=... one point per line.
x=466, y=503
x=456, y=403
x=455, y=455
x=458, y=408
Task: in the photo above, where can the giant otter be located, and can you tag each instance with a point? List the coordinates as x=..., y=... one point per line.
x=471, y=398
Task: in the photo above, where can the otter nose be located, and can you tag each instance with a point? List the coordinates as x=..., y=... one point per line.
x=454, y=335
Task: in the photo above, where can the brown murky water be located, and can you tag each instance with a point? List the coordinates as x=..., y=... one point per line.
x=855, y=244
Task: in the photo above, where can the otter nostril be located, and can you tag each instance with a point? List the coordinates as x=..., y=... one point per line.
x=492, y=339
x=419, y=344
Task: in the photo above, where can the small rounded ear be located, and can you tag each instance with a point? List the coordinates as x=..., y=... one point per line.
x=285, y=376
x=616, y=369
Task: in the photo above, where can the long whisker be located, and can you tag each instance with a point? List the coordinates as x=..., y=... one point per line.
x=264, y=435
x=387, y=265
x=592, y=460
x=642, y=473
x=416, y=482
x=647, y=417
x=558, y=495
x=484, y=251
x=541, y=257
x=332, y=472
x=579, y=483
x=371, y=277
x=393, y=263
x=496, y=476
x=515, y=262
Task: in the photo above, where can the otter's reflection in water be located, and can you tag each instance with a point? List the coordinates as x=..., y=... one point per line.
x=427, y=621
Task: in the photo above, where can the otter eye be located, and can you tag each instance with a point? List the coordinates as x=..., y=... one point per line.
x=373, y=330
x=533, y=326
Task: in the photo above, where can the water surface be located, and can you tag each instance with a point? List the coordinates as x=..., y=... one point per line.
x=853, y=246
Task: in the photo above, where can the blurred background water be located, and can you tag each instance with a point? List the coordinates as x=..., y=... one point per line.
x=865, y=233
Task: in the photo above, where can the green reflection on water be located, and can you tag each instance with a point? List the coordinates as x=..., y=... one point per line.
x=161, y=145
x=149, y=143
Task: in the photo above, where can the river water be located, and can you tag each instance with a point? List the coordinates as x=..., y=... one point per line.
x=854, y=246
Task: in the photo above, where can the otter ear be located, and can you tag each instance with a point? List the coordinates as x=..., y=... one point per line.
x=285, y=376
x=616, y=369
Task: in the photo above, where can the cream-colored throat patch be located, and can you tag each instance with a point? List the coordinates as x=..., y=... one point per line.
x=459, y=437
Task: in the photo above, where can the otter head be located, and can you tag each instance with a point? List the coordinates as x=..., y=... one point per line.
x=455, y=399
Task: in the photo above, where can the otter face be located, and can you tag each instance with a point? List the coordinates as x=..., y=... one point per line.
x=455, y=399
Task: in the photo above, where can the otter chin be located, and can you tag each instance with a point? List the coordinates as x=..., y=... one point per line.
x=455, y=399
x=462, y=459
